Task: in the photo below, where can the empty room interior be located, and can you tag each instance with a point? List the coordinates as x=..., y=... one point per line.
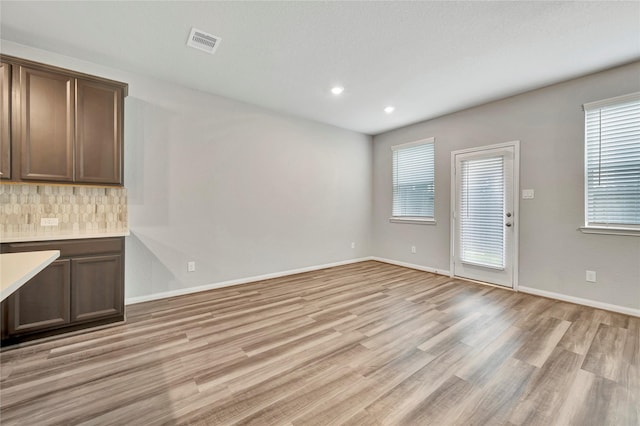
x=320, y=213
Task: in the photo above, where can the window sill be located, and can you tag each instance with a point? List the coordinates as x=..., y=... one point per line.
x=610, y=231
x=413, y=220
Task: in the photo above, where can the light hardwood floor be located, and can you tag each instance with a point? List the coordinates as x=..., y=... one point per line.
x=362, y=344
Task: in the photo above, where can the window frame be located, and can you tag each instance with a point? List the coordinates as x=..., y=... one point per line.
x=596, y=227
x=417, y=220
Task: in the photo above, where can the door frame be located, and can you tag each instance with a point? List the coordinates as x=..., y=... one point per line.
x=516, y=204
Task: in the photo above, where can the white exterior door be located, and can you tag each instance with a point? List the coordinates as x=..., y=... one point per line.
x=485, y=214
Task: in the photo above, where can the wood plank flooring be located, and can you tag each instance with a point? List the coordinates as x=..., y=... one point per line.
x=362, y=344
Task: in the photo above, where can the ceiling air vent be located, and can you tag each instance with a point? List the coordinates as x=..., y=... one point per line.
x=203, y=41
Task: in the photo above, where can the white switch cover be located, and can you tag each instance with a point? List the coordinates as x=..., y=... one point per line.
x=49, y=221
x=191, y=266
x=527, y=194
x=591, y=276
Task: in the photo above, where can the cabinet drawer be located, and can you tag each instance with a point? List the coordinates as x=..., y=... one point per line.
x=70, y=248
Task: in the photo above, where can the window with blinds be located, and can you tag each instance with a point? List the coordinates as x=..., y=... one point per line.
x=482, y=197
x=612, y=162
x=413, y=180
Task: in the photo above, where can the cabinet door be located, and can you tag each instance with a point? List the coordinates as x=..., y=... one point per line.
x=98, y=133
x=46, y=127
x=96, y=287
x=43, y=302
x=5, y=124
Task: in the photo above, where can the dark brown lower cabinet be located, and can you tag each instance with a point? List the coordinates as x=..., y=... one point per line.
x=92, y=289
x=43, y=302
x=83, y=288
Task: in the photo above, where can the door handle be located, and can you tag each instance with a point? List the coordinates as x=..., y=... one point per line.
x=508, y=224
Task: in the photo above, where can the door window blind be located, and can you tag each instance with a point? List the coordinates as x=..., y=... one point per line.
x=413, y=180
x=612, y=137
x=482, y=198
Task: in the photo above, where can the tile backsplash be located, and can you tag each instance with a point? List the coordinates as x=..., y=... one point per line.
x=79, y=209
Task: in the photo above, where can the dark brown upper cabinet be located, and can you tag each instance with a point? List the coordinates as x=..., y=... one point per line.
x=60, y=125
x=98, y=132
x=47, y=115
x=5, y=116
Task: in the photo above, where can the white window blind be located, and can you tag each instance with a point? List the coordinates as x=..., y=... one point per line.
x=413, y=180
x=482, y=190
x=612, y=138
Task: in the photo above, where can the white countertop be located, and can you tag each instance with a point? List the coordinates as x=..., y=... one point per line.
x=18, y=268
x=54, y=237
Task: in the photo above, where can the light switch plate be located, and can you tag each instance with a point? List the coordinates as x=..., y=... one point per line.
x=527, y=194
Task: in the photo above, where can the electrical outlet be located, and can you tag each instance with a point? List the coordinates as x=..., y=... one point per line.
x=528, y=194
x=591, y=276
x=49, y=221
x=353, y=245
x=191, y=266
x=413, y=249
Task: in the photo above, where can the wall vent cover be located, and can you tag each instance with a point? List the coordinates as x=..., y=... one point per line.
x=203, y=41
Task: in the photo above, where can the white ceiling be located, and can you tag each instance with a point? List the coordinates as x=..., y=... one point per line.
x=425, y=58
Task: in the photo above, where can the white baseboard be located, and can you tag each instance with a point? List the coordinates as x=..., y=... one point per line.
x=529, y=290
x=412, y=266
x=190, y=290
x=581, y=301
x=549, y=294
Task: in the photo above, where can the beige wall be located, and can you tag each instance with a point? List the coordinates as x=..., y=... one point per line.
x=240, y=190
x=549, y=124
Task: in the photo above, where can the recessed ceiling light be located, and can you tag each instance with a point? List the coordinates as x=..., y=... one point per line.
x=389, y=109
x=337, y=90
